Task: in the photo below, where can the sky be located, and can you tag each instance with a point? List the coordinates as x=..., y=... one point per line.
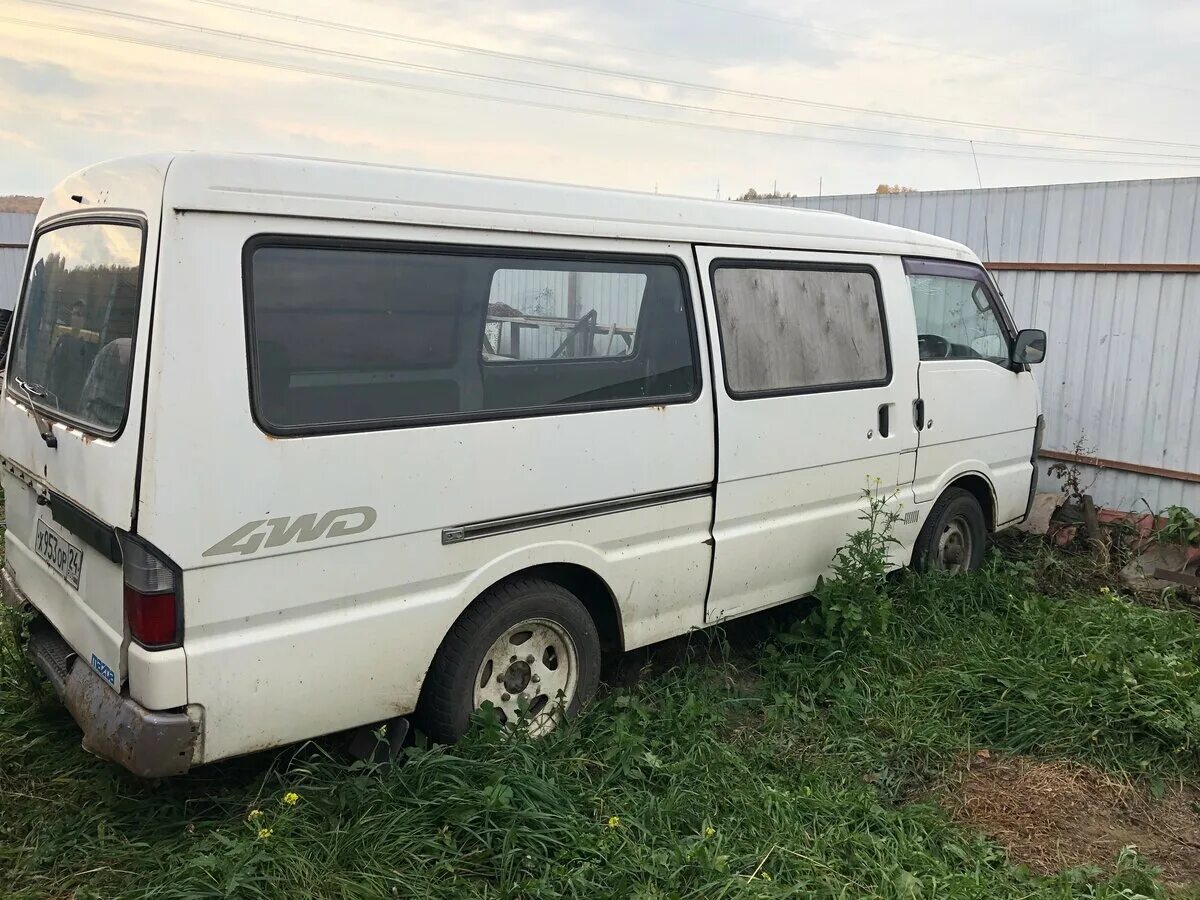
x=689, y=97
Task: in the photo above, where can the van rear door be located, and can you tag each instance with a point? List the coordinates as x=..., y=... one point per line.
x=70, y=421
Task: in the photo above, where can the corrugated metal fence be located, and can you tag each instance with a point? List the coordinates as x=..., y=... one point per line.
x=1111, y=270
x=15, y=229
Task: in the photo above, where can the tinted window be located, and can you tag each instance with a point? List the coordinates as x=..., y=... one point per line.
x=795, y=329
x=956, y=319
x=73, y=351
x=346, y=337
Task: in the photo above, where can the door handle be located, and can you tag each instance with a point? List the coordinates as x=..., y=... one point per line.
x=883, y=420
x=919, y=414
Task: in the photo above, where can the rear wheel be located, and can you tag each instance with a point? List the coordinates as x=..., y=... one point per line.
x=528, y=647
x=955, y=535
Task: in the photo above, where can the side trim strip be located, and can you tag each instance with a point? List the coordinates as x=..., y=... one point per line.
x=459, y=533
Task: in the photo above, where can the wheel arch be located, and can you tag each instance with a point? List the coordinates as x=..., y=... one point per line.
x=567, y=565
x=980, y=487
x=577, y=567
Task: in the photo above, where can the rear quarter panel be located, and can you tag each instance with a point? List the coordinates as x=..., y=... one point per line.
x=302, y=639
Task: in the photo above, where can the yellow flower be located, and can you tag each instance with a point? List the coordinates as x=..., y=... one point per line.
x=709, y=831
x=765, y=876
x=291, y=798
x=614, y=821
x=254, y=815
x=264, y=833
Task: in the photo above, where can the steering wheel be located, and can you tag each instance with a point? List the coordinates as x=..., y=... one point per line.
x=933, y=346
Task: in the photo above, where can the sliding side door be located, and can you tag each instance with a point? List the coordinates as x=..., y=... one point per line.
x=815, y=379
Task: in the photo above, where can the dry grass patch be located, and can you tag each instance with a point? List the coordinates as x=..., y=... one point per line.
x=1053, y=816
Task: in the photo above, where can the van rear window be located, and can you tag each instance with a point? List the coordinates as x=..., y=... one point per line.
x=73, y=349
x=365, y=335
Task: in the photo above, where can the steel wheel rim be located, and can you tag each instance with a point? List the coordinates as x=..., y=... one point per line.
x=531, y=671
x=955, y=546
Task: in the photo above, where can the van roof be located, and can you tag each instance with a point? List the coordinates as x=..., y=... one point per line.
x=332, y=189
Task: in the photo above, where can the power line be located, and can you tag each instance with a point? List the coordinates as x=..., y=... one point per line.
x=604, y=95
x=537, y=104
x=938, y=51
x=689, y=85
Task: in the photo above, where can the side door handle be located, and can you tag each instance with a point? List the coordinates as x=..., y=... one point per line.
x=919, y=414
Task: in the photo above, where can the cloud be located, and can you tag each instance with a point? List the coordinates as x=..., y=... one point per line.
x=1123, y=68
x=41, y=79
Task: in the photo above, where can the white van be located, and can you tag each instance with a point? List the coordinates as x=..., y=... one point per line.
x=295, y=446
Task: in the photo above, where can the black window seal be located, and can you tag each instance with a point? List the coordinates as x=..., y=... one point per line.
x=328, y=242
x=802, y=266
x=55, y=224
x=965, y=271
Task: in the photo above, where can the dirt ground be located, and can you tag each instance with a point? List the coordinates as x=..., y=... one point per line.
x=1055, y=815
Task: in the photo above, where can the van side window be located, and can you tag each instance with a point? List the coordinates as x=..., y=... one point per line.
x=352, y=335
x=792, y=329
x=956, y=320
x=541, y=314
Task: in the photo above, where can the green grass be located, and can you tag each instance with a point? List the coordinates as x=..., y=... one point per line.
x=764, y=760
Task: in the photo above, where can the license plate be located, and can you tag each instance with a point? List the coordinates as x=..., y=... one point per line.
x=62, y=556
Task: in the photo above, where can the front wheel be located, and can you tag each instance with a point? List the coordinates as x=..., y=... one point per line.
x=528, y=647
x=954, y=537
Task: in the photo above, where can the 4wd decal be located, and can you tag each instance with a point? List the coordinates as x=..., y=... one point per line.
x=259, y=533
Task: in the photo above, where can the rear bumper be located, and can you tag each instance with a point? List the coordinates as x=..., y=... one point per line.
x=115, y=727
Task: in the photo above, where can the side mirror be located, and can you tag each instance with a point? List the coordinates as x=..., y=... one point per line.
x=1030, y=347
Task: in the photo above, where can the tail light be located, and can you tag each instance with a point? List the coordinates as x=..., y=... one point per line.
x=151, y=595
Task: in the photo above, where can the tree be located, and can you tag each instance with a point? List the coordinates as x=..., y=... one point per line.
x=752, y=194
x=19, y=203
x=893, y=189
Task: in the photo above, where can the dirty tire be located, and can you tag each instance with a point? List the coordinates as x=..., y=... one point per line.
x=448, y=695
x=955, y=513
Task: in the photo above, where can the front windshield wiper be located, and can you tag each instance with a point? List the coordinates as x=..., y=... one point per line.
x=44, y=424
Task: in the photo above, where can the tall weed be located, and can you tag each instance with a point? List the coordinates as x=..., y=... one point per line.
x=854, y=603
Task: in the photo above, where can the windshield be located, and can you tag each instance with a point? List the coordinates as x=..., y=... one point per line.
x=73, y=350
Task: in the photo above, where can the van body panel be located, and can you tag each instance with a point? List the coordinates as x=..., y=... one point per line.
x=84, y=617
x=157, y=678
x=983, y=420
x=419, y=478
x=792, y=469
x=353, y=651
x=339, y=191
x=98, y=474
x=379, y=600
